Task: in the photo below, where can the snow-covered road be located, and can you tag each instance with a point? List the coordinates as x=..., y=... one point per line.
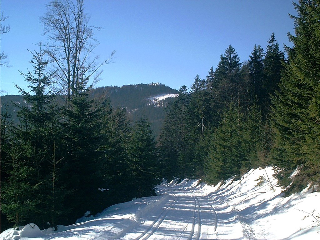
x=181, y=213
x=250, y=208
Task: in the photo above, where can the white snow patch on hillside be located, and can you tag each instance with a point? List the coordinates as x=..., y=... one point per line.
x=250, y=208
x=156, y=100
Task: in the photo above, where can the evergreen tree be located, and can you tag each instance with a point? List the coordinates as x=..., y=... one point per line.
x=256, y=73
x=5, y=141
x=81, y=160
x=27, y=193
x=234, y=145
x=296, y=105
x=143, y=160
x=210, y=78
x=173, y=137
x=201, y=109
x=116, y=139
x=273, y=66
x=228, y=81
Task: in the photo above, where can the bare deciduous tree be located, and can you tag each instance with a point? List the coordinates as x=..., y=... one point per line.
x=72, y=44
x=3, y=29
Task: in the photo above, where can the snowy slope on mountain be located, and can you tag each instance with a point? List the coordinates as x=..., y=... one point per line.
x=158, y=100
x=250, y=208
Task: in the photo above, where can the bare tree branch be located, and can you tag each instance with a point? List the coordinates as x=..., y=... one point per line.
x=67, y=27
x=3, y=29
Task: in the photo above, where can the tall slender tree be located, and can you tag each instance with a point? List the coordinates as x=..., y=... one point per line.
x=234, y=145
x=71, y=45
x=143, y=160
x=117, y=134
x=256, y=73
x=82, y=167
x=3, y=29
x=274, y=63
x=296, y=105
x=172, y=142
x=228, y=81
x=31, y=146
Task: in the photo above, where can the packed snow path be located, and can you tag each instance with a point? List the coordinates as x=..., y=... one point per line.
x=181, y=213
x=250, y=208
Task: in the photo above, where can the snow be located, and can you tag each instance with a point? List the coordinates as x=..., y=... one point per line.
x=250, y=208
x=156, y=100
x=163, y=97
x=31, y=230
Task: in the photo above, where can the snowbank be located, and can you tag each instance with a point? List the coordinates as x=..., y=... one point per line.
x=250, y=208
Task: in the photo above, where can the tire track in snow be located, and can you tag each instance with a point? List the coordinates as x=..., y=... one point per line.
x=247, y=231
x=196, y=224
x=156, y=223
x=192, y=229
x=195, y=230
x=215, y=218
x=205, y=219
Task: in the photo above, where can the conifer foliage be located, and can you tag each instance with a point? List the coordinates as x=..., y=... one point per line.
x=263, y=111
x=71, y=154
x=214, y=131
x=30, y=151
x=296, y=105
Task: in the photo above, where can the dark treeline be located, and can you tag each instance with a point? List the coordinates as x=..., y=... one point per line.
x=218, y=128
x=264, y=111
x=66, y=158
x=71, y=153
x=134, y=98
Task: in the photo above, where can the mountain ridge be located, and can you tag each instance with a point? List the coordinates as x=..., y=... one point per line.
x=137, y=99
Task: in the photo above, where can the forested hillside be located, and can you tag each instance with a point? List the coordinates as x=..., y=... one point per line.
x=136, y=99
x=261, y=111
x=71, y=151
x=222, y=121
x=96, y=148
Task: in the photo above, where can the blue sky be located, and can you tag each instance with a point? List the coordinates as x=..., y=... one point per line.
x=166, y=41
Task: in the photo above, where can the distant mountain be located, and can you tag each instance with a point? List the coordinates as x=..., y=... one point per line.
x=140, y=100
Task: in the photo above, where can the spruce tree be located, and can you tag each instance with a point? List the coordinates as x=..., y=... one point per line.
x=296, y=105
x=256, y=73
x=173, y=138
x=81, y=160
x=234, y=145
x=116, y=133
x=229, y=85
x=27, y=192
x=143, y=160
x=274, y=62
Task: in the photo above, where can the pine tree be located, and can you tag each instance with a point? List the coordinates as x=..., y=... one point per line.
x=228, y=81
x=234, y=145
x=116, y=133
x=210, y=78
x=81, y=160
x=201, y=109
x=173, y=138
x=296, y=105
x=256, y=73
x=143, y=160
x=273, y=67
x=5, y=125
x=28, y=185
